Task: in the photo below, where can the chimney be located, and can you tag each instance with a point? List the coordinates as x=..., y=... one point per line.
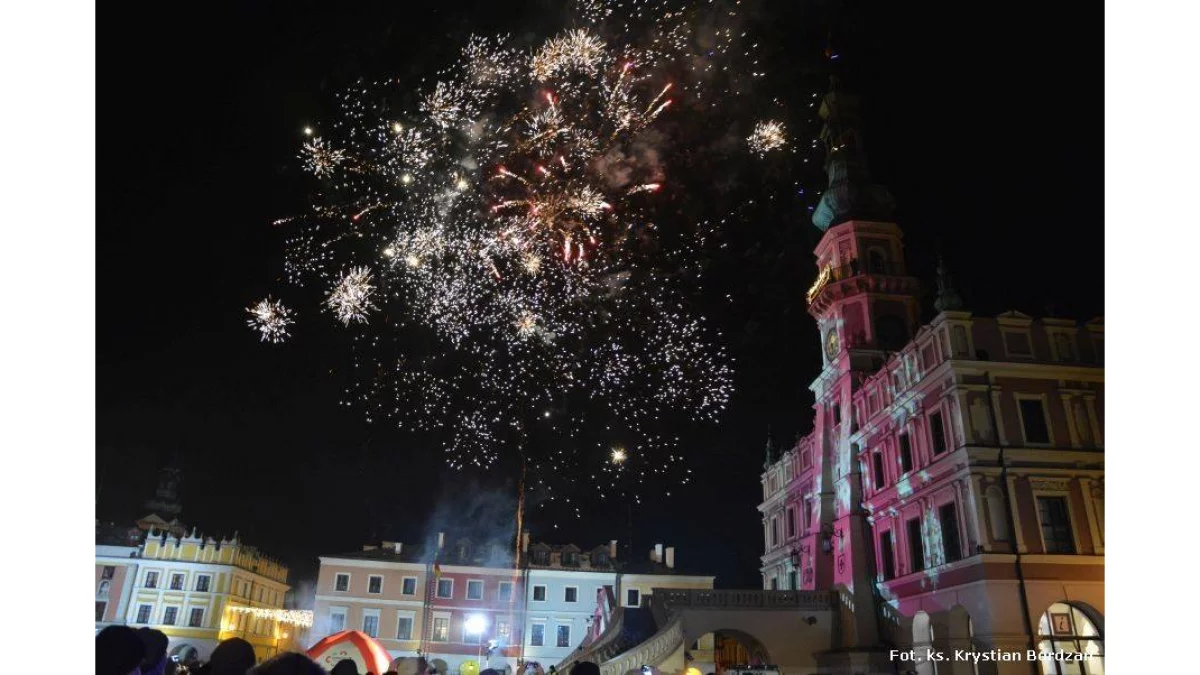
x=525, y=542
x=612, y=549
x=658, y=553
x=441, y=540
x=671, y=557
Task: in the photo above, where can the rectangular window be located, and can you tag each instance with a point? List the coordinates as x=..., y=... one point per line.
x=503, y=630
x=177, y=582
x=774, y=531
x=1033, y=419
x=169, y=616
x=570, y=594
x=409, y=586
x=808, y=515
x=108, y=572
x=143, y=615
x=505, y=592
x=474, y=589
x=196, y=617
x=100, y=608
x=445, y=588
x=916, y=548
x=563, y=636
x=948, y=515
x=337, y=620
x=341, y=583
x=375, y=584
x=906, y=462
x=151, y=580
x=537, y=636
x=632, y=598
x=441, y=629
x=404, y=627
x=793, y=582
x=877, y=467
x=539, y=593
x=937, y=433
x=887, y=556
x=1056, y=525
x=774, y=583
x=791, y=522
x=202, y=582
x=371, y=624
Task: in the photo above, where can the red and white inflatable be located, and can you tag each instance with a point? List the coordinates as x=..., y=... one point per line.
x=355, y=645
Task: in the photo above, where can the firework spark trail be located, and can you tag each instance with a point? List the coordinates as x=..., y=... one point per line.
x=507, y=219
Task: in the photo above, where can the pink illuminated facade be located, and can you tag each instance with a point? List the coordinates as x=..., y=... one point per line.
x=952, y=487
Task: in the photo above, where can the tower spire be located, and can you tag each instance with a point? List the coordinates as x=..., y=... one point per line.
x=850, y=195
x=947, y=297
x=770, y=451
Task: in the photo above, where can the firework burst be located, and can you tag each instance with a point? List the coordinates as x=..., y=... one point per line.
x=517, y=222
x=271, y=319
x=350, y=300
x=767, y=137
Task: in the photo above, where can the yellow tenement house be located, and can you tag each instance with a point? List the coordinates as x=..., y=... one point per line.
x=199, y=591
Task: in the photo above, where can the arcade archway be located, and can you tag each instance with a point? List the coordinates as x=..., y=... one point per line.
x=720, y=650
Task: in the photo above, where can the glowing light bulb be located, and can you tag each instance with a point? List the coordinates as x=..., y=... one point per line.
x=397, y=127
x=618, y=455
x=308, y=131
x=406, y=178
x=389, y=252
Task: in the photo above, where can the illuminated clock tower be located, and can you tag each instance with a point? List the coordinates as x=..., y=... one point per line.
x=866, y=306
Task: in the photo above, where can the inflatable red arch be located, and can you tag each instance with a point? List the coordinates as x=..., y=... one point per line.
x=355, y=645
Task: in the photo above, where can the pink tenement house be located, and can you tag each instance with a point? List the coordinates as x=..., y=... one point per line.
x=954, y=477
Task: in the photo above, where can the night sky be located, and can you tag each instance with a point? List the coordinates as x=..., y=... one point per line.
x=986, y=127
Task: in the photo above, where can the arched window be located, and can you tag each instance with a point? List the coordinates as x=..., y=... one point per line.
x=996, y=515
x=1064, y=628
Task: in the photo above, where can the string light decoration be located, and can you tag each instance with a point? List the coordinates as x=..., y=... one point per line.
x=294, y=617
x=515, y=232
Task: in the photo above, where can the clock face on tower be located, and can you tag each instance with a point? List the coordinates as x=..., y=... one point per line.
x=831, y=344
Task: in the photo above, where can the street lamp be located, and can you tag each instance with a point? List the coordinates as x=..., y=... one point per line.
x=474, y=625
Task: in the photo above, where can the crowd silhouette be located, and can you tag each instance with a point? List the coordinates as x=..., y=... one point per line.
x=121, y=650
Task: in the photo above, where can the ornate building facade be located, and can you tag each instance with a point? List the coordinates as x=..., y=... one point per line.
x=464, y=606
x=952, y=487
x=196, y=590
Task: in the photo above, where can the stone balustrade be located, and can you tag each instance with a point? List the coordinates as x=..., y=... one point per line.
x=651, y=652
x=673, y=599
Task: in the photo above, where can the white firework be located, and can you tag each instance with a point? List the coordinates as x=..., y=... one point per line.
x=767, y=136
x=271, y=319
x=351, y=299
x=321, y=158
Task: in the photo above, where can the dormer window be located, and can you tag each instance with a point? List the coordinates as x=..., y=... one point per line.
x=541, y=557
x=464, y=552
x=570, y=559
x=601, y=558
